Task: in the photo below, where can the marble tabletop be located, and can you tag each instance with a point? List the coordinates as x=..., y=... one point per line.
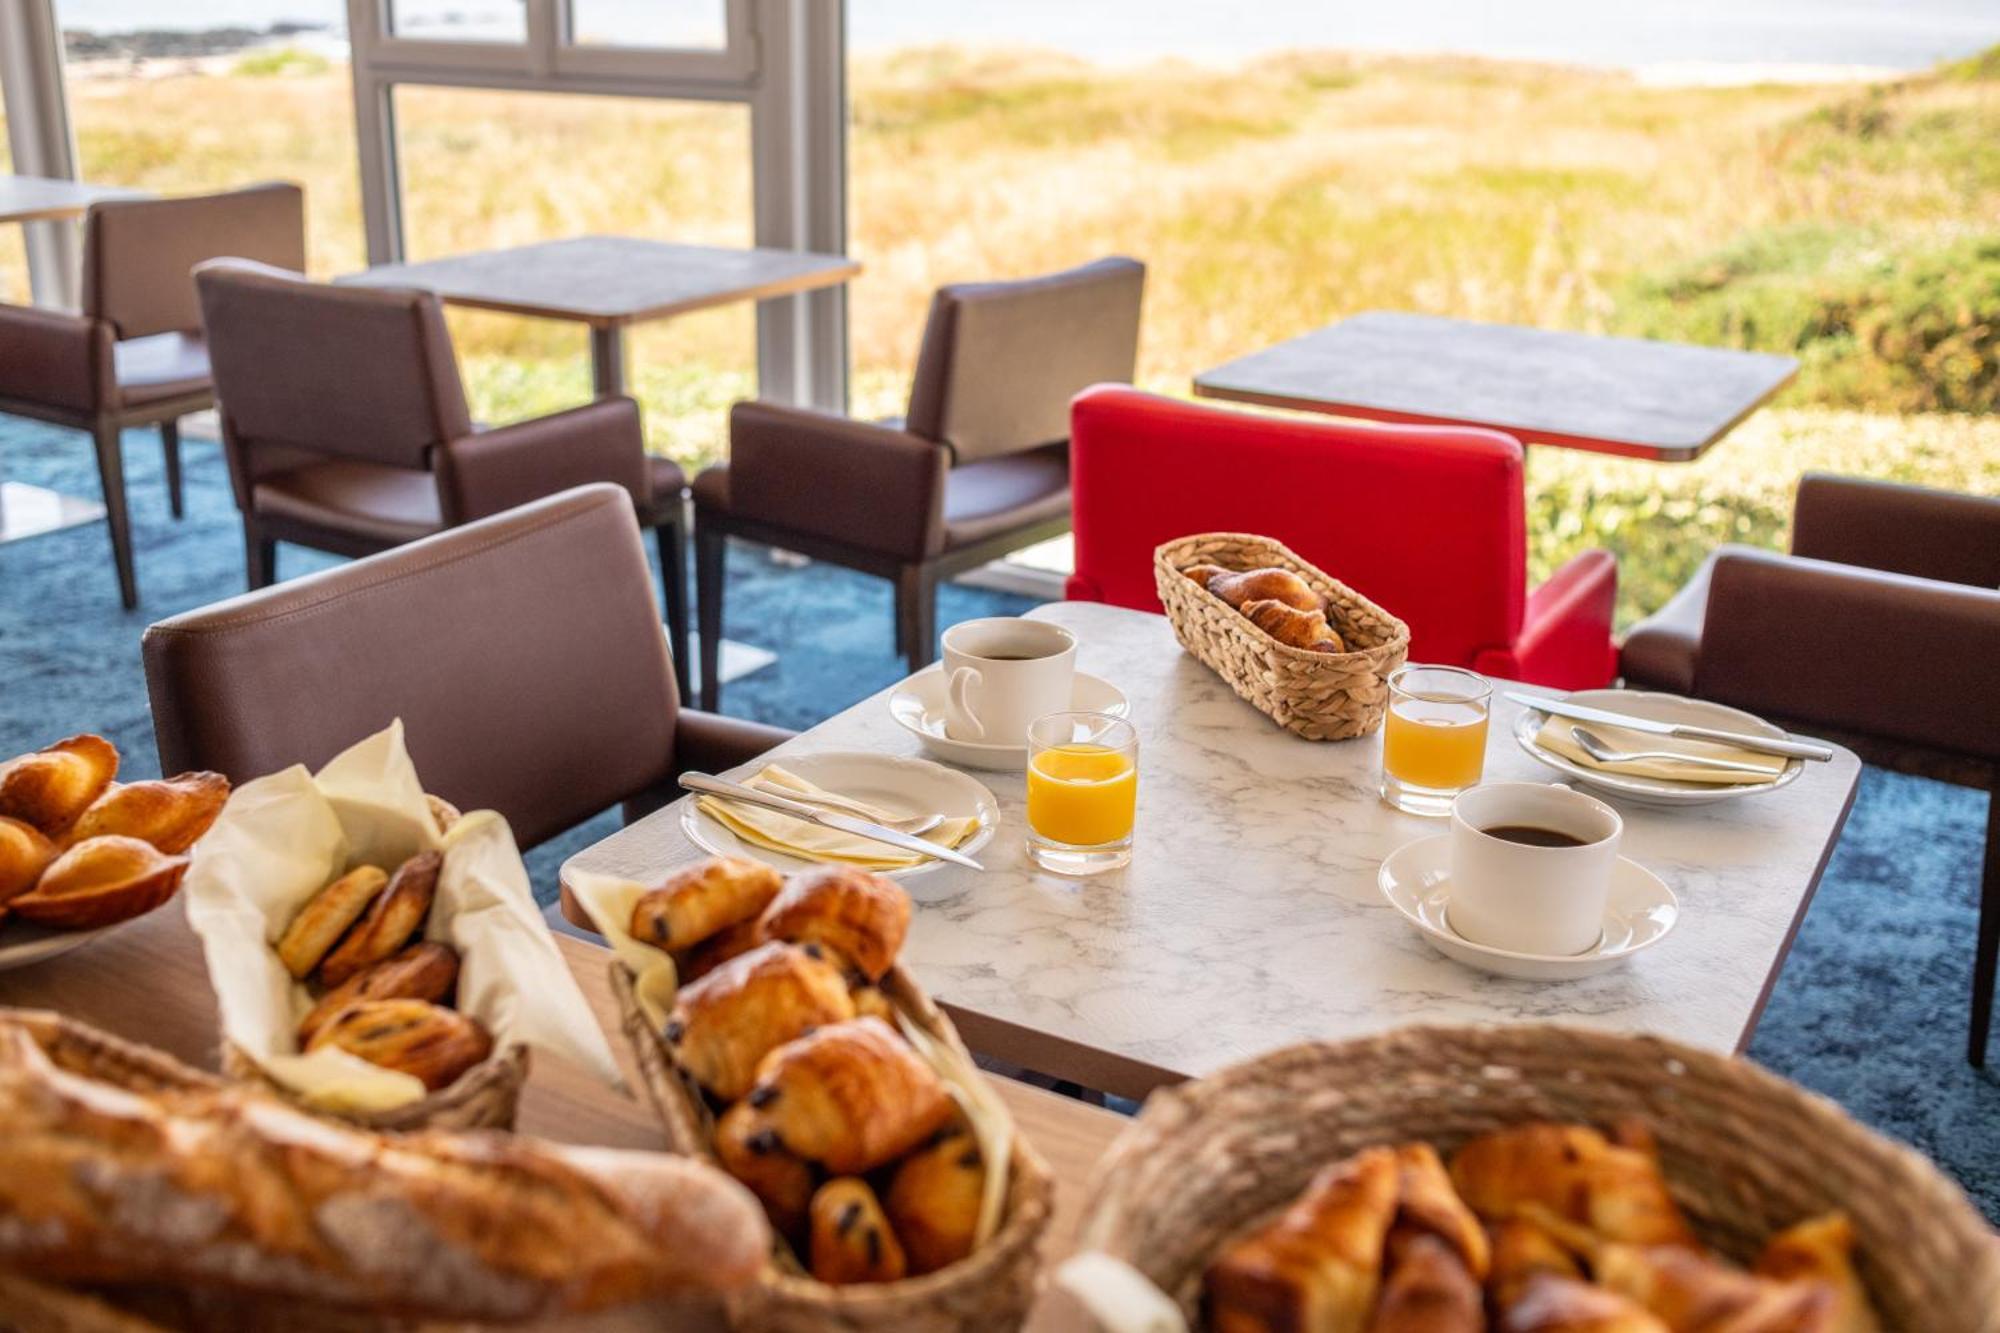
x=1249, y=916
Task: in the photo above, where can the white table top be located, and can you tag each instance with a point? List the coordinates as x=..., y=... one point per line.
x=39, y=198
x=1249, y=917
x=612, y=280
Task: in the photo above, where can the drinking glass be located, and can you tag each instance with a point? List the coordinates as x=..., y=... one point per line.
x=1434, y=738
x=1083, y=790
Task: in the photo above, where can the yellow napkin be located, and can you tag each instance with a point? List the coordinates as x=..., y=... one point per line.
x=1554, y=736
x=810, y=842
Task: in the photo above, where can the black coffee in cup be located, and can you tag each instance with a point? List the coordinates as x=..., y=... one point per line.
x=1529, y=835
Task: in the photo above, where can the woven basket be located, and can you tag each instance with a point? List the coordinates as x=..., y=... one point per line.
x=1320, y=696
x=989, y=1289
x=1745, y=1153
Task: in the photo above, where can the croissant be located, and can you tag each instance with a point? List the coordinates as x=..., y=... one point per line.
x=1551, y=1304
x=100, y=882
x=1823, y=1249
x=316, y=927
x=1267, y=584
x=1692, y=1293
x=1429, y=1291
x=1316, y=1267
x=725, y=1023
x=429, y=1042
x=697, y=902
x=860, y=916
x=426, y=971
x=751, y=1152
x=1290, y=626
x=25, y=852
x=1522, y=1251
x=1578, y=1175
x=851, y=1240
x=850, y=1097
x=170, y=813
x=51, y=787
x=1203, y=573
x=1426, y=1204
x=397, y=913
x=934, y=1198
x=725, y=944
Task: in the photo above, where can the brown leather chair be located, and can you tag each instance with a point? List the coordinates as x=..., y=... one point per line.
x=979, y=466
x=134, y=355
x=521, y=652
x=1881, y=630
x=346, y=428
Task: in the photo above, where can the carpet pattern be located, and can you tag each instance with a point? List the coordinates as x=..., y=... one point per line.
x=1869, y=1010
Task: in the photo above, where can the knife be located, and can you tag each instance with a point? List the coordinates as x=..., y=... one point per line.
x=860, y=828
x=1742, y=740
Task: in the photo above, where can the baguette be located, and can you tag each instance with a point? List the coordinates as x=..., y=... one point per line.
x=233, y=1190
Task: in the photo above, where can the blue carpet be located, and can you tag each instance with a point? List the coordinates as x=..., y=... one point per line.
x=1870, y=1008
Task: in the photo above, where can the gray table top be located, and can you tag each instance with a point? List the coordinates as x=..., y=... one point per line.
x=1633, y=396
x=612, y=280
x=40, y=199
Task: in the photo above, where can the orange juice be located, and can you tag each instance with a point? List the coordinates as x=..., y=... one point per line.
x=1430, y=743
x=1084, y=795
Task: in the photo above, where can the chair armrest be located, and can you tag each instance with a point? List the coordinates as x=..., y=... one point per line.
x=1660, y=651
x=1565, y=638
x=1899, y=529
x=849, y=482
x=710, y=742
x=56, y=359
x=1885, y=655
x=497, y=469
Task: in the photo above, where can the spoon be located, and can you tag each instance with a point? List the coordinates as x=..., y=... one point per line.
x=1595, y=746
x=913, y=824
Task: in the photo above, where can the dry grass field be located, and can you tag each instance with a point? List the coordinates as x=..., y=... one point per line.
x=1851, y=226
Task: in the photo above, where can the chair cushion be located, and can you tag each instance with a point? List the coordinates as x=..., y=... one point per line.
x=995, y=495
x=370, y=500
x=160, y=366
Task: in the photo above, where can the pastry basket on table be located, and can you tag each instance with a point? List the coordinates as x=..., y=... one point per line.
x=1322, y=696
x=1744, y=1153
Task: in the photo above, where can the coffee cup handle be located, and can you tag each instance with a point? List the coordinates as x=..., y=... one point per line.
x=957, y=710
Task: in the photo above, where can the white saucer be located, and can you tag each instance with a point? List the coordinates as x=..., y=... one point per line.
x=918, y=706
x=22, y=943
x=892, y=782
x=1641, y=910
x=1658, y=708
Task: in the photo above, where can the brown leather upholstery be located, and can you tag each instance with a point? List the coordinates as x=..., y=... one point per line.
x=994, y=495
x=1001, y=360
x=54, y=359
x=137, y=253
x=522, y=652
x=160, y=366
x=1898, y=529
x=387, y=505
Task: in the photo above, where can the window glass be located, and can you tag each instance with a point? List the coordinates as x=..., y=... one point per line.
x=677, y=25
x=461, y=20
x=13, y=254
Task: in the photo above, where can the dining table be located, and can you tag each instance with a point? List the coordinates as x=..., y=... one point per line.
x=146, y=981
x=1637, y=397
x=1250, y=915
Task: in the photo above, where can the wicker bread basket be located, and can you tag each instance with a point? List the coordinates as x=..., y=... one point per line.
x=991, y=1288
x=1745, y=1152
x=1320, y=696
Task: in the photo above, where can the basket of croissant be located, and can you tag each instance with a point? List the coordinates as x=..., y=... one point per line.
x=1296, y=644
x=139, y=1195
x=779, y=1038
x=80, y=851
x=1521, y=1179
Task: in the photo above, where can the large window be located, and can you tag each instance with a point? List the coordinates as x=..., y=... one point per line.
x=13, y=251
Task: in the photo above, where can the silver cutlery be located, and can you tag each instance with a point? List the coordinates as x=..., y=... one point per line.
x=860, y=828
x=1594, y=745
x=913, y=824
x=1783, y=745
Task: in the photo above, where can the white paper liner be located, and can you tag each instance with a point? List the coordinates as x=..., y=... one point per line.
x=282, y=838
x=1118, y=1296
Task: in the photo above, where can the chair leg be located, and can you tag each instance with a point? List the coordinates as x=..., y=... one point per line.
x=673, y=575
x=916, y=615
x=711, y=550
x=170, y=448
x=1986, y=959
x=111, y=475
x=260, y=557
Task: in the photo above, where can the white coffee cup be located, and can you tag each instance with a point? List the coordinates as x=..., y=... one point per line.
x=1512, y=895
x=1001, y=673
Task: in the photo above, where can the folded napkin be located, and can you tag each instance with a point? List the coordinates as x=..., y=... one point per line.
x=810, y=842
x=1554, y=736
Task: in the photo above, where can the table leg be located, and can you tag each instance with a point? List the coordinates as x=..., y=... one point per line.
x=607, y=359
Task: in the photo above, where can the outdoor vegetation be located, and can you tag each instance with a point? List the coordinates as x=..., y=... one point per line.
x=1856, y=227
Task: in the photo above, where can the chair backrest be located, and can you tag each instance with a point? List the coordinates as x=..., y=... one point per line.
x=1914, y=530
x=358, y=372
x=1001, y=360
x=523, y=653
x=139, y=254
x=1425, y=521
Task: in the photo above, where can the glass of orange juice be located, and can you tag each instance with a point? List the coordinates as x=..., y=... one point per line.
x=1434, y=738
x=1083, y=790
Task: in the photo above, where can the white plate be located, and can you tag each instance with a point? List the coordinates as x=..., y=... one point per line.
x=918, y=706
x=22, y=943
x=892, y=782
x=1656, y=708
x=1640, y=910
